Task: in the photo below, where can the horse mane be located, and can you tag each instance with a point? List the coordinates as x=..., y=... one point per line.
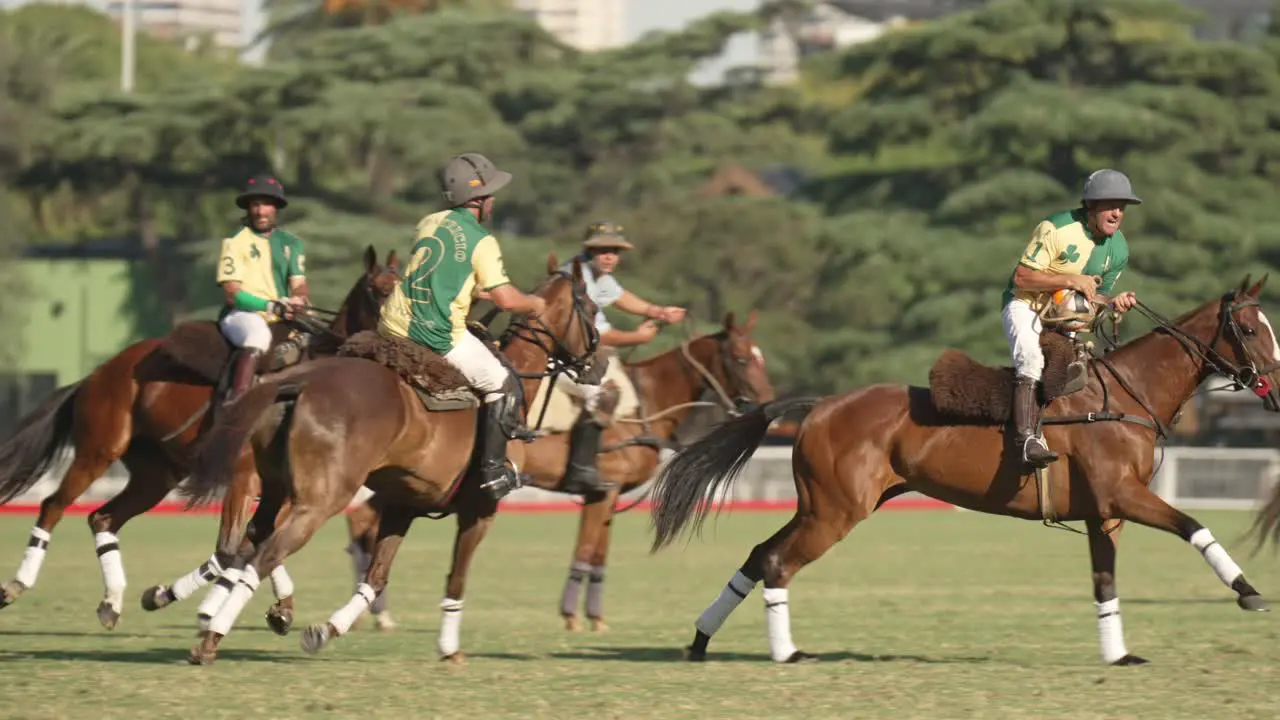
x=654, y=359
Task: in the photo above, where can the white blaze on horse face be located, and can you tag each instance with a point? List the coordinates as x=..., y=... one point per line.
x=1275, y=345
x=758, y=353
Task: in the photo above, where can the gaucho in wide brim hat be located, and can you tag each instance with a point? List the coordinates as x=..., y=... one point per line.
x=605, y=235
x=262, y=186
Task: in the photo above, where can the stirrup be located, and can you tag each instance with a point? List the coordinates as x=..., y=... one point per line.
x=503, y=485
x=1049, y=455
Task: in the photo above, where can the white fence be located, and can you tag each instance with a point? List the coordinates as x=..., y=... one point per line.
x=1189, y=477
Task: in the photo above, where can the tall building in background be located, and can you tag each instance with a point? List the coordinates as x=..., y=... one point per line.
x=585, y=24
x=187, y=20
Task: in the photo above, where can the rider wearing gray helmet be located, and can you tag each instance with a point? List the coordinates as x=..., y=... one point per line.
x=453, y=258
x=1081, y=250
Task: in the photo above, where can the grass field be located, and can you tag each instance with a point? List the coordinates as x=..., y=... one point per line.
x=918, y=614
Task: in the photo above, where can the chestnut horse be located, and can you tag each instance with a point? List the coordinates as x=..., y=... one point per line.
x=144, y=407
x=351, y=422
x=728, y=363
x=856, y=450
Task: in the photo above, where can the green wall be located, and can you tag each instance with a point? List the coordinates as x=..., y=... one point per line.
x=77, y=315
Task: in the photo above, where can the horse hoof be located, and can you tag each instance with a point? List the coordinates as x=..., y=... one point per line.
x=571, y=623
x=315, y=638
x=1128, y=660
x=599, y=625
x=108, y=615
x=206, y=651
x=692, y=655
x=800, y=656
x=154, y=598
x=455, y=659
x=384, y=621
x=10, y=593
x=1253, y=602
x=279, y=619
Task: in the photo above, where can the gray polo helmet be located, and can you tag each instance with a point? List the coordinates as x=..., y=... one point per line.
x=1107, y=184
x=469, y=176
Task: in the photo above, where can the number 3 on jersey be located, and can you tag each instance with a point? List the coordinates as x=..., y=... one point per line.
x=228, y=265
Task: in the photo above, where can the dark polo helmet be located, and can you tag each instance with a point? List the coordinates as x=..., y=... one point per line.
x=469, y=176
x=263, y=186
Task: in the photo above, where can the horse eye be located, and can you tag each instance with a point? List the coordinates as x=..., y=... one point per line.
x=741, y=361
x=1248, y=330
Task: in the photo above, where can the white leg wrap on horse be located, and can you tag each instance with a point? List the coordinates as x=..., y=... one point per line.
x=737, y=590
x=112, y=566
x=240, y=596
x=33, y=558
x=218, y=594
x=1226, y=568
x=346, y=616
x=777, y=616
x=186, y=586
x=1110, y=632
x=450, y=623
x=281, y=583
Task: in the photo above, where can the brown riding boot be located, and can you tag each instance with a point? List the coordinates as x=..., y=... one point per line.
x=246, y=365
x=1026, y=418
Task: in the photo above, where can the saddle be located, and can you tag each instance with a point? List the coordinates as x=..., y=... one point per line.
x=969, y=391
x=200, y=347
x=439, y=385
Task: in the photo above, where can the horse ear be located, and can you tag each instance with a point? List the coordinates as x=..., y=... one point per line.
x=751, y=321
x=728, y=321
x=1244, y=284
x=393, y=261
x=1256, y=289
x=577, y=273
x=370, y=259
x=552, y=263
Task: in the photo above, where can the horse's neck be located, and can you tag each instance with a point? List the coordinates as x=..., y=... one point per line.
x=665, y=382
x=530, y=361
x=352, y=315
x=1160, y=370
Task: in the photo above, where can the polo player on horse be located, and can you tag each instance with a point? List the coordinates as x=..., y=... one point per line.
x=602, y=246
x=454, y=257
x=1080, y=250
x=262, y=273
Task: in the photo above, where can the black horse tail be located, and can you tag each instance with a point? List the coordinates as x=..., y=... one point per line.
x=218, y=450
x=27, y=455
x=687, y=485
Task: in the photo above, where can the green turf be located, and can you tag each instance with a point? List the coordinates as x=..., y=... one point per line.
x=916, y=615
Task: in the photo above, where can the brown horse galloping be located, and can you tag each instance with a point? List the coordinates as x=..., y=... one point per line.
x=728, y=363
x=856, y=450
x=146, y=408
x=351, y=422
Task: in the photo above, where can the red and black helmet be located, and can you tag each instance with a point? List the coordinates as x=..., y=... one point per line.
x=263, y=186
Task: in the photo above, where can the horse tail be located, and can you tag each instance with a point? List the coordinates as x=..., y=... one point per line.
x=689, y=482
x=217, y=452
x=1266, y=526
x=26, y=456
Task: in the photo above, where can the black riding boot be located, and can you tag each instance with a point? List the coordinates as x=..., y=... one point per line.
x=501, y=423
x=1026, y=419
x=246, y=364
x=581, y=475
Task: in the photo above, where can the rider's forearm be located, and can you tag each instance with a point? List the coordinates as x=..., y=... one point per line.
x=1038, y=280
x=634, y=304
x=298, y=288
x=620, y=338
x=245, y=300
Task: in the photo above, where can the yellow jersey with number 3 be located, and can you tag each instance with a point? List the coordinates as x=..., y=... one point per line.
x=262, y=264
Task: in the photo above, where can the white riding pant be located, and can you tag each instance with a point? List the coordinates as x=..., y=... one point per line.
x=1022, y=328
x=478, y=365
x=246, y=330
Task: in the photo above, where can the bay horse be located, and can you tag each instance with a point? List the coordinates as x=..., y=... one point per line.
x=320, y=432
x=146, y=406
x=727, y=363
x=856, y=450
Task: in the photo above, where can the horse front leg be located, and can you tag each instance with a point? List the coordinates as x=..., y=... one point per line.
x=473, y=524
x=1102, y=556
